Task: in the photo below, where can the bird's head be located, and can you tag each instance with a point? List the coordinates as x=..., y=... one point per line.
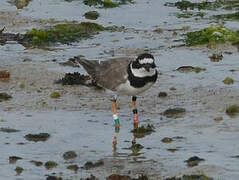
x=143, y=65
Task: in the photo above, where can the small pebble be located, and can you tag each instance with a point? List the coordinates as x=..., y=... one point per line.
x=218, y=118
x=162, y=94
x=167, y=140
x=19, y=170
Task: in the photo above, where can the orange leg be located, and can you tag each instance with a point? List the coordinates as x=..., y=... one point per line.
x=116, y=119
x=135, y=112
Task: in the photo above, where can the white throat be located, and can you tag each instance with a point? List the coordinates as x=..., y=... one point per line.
x=141, y=72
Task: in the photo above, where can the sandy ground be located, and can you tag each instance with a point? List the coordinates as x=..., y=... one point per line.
x=32, y=83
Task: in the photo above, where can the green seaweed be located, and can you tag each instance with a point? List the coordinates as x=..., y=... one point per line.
x=115, y=28
x=106, y=3
x=37, y=137
x=55, y=95
x=142, y=131
x=167, y=140
x=230, y=16
x=213, y=34
x=232, y=110
x=190, y=69
x=187, y=14
x=191, y=177
x=228, y=80
x=73, y=167
x=63, y=33
x=174, y=112
x=69, y=155
x=50, y=164
x=185, y=5
x=4, y=97
x=93, y=15
x=231, y=5
x=89, y=165
x=135, y=148
x=205, y=5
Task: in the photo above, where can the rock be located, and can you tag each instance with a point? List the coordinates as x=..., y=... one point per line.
x=37, y=137
x=162, y=94
x=93, y=15
x=21, y=85
x=216, y=57
x=118, y=177
x=158, y=30
x=190, y=69
x=69, y=155
x=218, y=118
x=174, y=113
x=8, y=130
x=191, y=177
x=55, y=95
x=20, y=4
x=91, y=178
x=167, y=140
x=53, y=178
x=193, y=161
x=13, y=159
x=50, y=164
x=172, y=89
x=4, y=75
x=37, y=163
x=236, y=156
x=232, y=110
x=4, y=97
x=228, y=80
x=19, y=170
x=172, y=149
x=135, y=148
x=142, y=131
x=73, y=167
x=90, y=165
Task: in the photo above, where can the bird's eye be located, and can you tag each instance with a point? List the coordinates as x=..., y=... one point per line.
x=153, y=65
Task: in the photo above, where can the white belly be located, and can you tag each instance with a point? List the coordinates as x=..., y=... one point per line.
x=127, y=89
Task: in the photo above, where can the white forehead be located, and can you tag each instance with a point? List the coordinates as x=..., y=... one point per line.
x=146, y=60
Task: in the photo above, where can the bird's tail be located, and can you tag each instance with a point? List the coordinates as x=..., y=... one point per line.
x=90, y=66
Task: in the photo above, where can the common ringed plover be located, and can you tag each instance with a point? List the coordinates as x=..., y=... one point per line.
x=123, y=76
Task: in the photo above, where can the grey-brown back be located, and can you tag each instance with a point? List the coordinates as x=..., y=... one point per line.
x=107, y=74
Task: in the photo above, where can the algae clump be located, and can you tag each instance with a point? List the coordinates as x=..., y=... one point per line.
x=232, y=110
x=213, y=34
x=228, y=81
x=190, y=69
x=73, y=167
x=205, y=5
x=55, y=95
x=191, y=177
x=106, y=3
x=19, y=170
x=50, y=164
x=142, y=131
x=93, y=15
x=63, y=33
x=230, y=16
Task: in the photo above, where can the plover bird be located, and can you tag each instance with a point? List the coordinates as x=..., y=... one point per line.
x=123, y=76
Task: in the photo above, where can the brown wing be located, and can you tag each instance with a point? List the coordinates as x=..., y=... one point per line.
x=112, y=72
